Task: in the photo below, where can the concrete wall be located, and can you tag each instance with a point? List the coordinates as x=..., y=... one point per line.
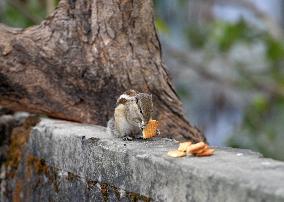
x=64, y=161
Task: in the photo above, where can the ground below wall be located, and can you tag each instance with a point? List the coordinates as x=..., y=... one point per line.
x=64, y=161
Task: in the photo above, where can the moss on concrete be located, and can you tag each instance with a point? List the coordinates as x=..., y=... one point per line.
x=19, y=138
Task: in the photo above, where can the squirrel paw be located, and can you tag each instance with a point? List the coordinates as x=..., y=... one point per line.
x=127, y=138
x=158, y=132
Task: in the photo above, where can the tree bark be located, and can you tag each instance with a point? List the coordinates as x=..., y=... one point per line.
x=76, y=62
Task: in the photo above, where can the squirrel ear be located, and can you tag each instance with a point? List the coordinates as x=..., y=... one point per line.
x=121, y=101
x=130, y=92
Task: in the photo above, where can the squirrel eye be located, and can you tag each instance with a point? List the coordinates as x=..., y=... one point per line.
x=141, y=111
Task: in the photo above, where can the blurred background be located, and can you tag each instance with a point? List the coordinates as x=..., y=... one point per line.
x=225, y=58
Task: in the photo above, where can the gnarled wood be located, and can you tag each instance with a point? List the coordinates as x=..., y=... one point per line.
x=76, y=62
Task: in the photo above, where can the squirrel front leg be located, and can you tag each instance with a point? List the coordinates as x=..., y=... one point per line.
x=121, y=132
x=119, y=126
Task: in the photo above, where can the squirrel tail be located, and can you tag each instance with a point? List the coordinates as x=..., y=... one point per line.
x=111, y=130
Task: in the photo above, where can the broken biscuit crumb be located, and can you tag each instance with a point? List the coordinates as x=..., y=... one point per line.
x=195, y=147
x=176, y=153
x=151, y=129
x=183, y=146
x=207, y=152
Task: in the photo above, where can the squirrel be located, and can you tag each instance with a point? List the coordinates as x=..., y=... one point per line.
x=132, y=113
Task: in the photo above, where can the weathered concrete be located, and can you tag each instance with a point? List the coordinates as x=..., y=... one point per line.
x=74, y=162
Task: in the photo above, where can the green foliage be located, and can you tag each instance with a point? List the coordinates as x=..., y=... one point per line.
x=162, y=26
x=275, y=49
x=260, y=103
x=182, y=3
x=197, y=36
x=27, y=13
x=256, y=112
x=262, y=128
x=222, y=35
x=37, y=7
x=232, y=33
x=12, y=17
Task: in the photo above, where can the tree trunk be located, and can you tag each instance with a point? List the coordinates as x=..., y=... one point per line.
x=75, y=63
